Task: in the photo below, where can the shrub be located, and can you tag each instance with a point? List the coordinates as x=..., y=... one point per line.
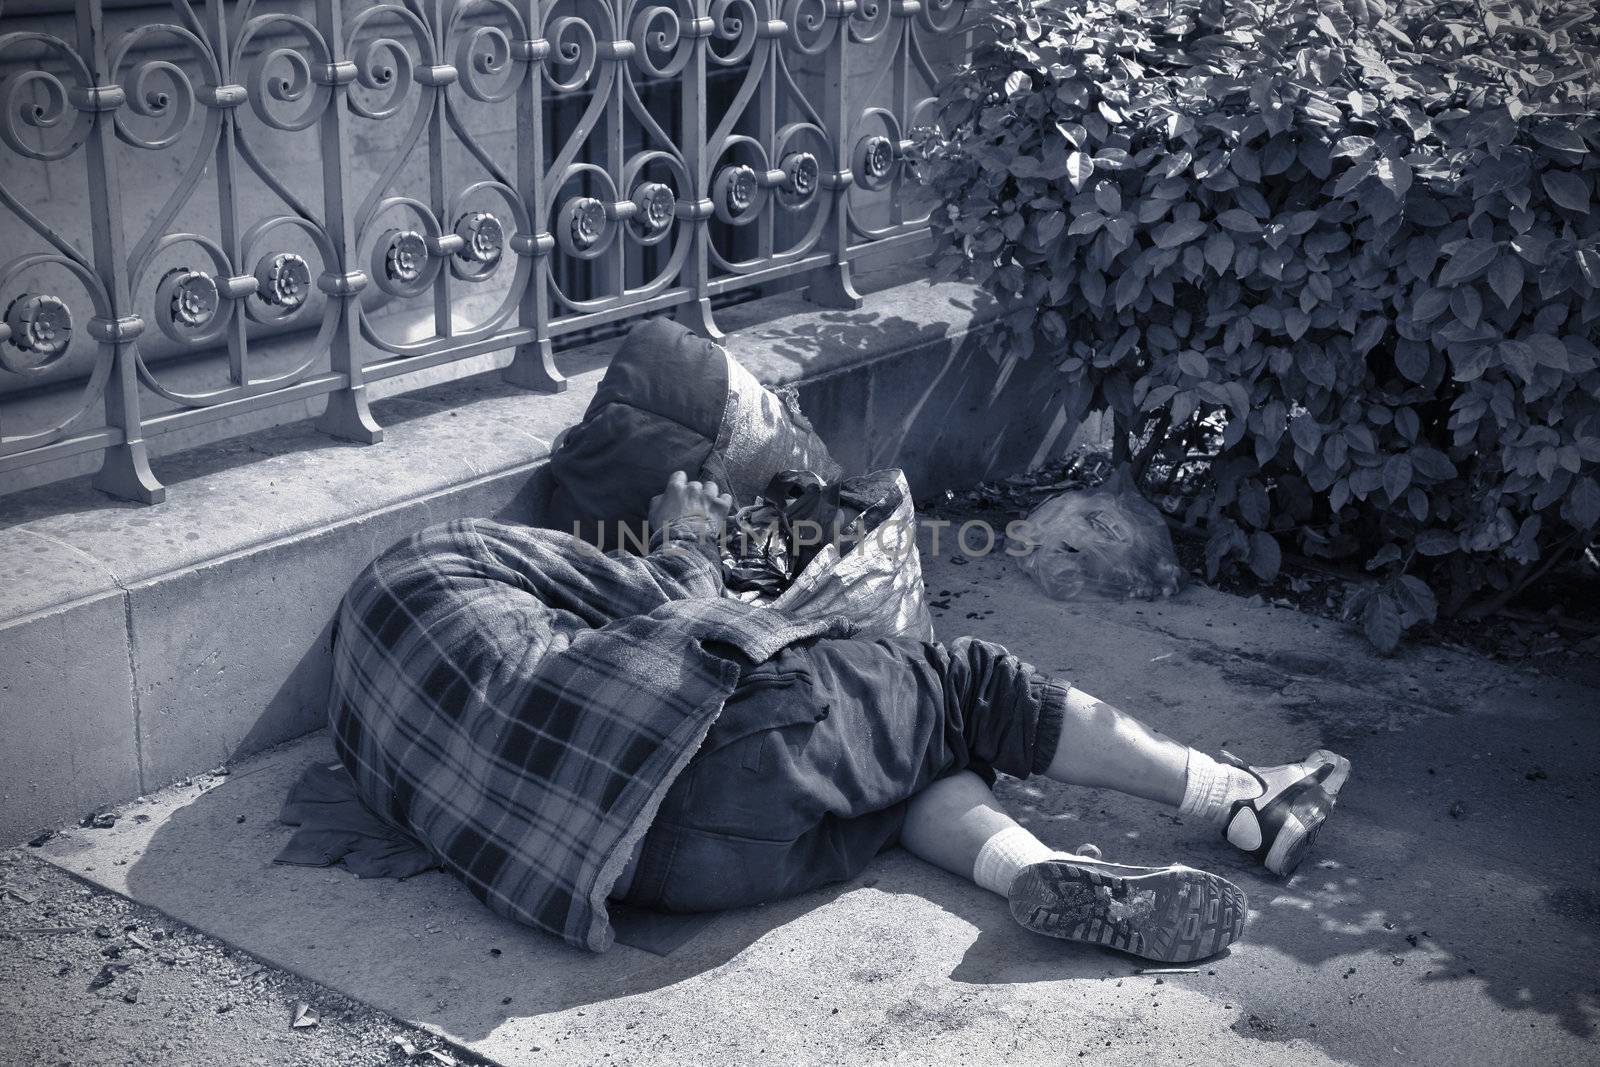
x=1347, y=249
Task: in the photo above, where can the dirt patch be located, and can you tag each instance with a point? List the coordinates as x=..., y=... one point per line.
x=88, y=977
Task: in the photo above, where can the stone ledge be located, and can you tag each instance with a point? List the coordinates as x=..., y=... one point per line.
x=139, y=645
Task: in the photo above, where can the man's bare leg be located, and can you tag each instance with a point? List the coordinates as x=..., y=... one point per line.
x=1173, y=913
x=1104, y=748
x=950, y=822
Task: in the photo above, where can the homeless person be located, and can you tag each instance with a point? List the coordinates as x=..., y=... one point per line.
x=560, y=727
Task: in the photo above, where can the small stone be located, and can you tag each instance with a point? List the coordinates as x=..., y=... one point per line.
x=1457, y=810
x=239, y=818
x=131, y=995
x=102, y=931
x=494, y=952
x=107, y=975
x=38, y=840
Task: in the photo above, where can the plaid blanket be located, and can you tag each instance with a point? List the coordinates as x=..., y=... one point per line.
x=520, y=703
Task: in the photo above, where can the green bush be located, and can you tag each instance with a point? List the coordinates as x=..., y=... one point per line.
x=1348, y=250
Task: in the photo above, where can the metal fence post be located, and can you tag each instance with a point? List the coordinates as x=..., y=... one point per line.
x=831, y=285
x=694, y=205
x=533, y=365
x=125, y=471
x=348, y=415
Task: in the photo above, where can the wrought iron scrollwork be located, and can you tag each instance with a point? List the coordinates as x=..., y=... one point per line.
x=40, y=327
x=628, y=183
x=656, y=206
x=585, y=231
x=483, y=238
x=283, y=280
x=186, y=300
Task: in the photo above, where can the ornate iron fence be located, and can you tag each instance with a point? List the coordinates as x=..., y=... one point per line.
x=320, y=171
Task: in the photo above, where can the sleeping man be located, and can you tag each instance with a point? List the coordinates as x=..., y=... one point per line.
x=559, y=728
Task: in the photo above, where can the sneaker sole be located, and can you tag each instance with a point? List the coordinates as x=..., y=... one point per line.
x=1306, y=818
x=1167, y=914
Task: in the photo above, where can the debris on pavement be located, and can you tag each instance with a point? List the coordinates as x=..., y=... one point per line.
x=108, y=974
x=304, y=1017
x=38, y=840
x=417, y=1054
x=191, y=1000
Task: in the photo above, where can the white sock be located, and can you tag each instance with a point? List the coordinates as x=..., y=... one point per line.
x=1006, y=853
x=1211, y=788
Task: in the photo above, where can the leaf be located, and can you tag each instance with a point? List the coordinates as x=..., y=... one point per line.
x=1381, y=623
x=1470, y=259
x=1437, y=542
x=1396, y=476
x=1506, y=278
x=1017, y=82
x=1266, y=558
x=1354, y=146
x=1239, y=221
x=1589, y=264
x=1079, y=168
x=1108, y=197
x=1421, y=256
x=1394, y=174
x=1413, y=360
x=1048, y=226
x=1194, y=364
x=1389, y=553
x=1431, y=463
x=1567, y=189
x=1429, y=305
x=1306, y=432
x=1584, y=503
x=1174, y=234
x=1088, y=222
x=1369, y=334
x=1219, y=251
x=1129, y=286
x=1295, y=323
x=1416, y=598
x=1548, y=351
x=1353, y=177
x=1254, y=505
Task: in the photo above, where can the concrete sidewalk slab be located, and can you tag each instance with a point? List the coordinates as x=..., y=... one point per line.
x=1413, y=935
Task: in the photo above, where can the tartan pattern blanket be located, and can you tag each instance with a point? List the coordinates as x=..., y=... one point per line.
x=520, y=703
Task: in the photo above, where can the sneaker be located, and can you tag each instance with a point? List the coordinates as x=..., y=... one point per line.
x=1168, y=914
x=1279, y=826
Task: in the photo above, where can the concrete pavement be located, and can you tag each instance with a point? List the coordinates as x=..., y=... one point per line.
x=1413, y=935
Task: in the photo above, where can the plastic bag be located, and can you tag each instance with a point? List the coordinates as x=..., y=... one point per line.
x=761, y=556
x=1108, y=541
x=876, y=583
x=855, y=558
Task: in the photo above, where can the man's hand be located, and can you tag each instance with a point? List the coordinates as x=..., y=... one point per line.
x=685, y=499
